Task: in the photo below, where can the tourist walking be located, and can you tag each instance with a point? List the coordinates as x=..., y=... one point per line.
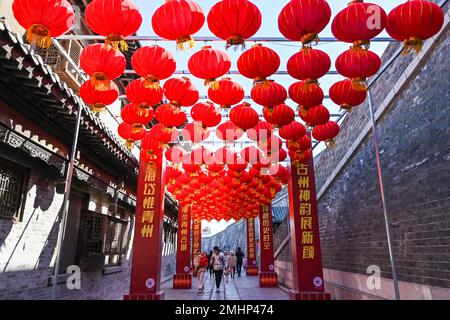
x=218, y=264
x=210, y=268
x=239, y=260
x=200, y=264
x=231, y=262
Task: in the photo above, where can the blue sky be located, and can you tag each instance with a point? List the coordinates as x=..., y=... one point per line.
x=270, y=10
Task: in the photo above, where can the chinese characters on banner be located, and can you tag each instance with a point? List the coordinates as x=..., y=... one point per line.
x=304, y=220
x=147, y=245
x=252, y=268
x=182, y=279
x=196, y=237
x=266, y=238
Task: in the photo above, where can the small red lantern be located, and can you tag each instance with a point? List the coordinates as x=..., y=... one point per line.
x=228, y=131
x=269, y=94
x=102, y=63
x=136, y=116
x=209, y=64
x=181, y=92
x=315, y=116
x=413, y=22
x=326, y=132
x=251, y=154
x=303, y=20
x=303, y=143
x=279, y=115
x=262, y=131
x=345, y=95
x=244, y=116
x=43, y=20
x=306, y=94
x=153, y=63
x=308, y=64
x=258, y=63
x=206, y=114
x=300, y=156
x=163, y=134
x=170, y=116
x=293, y=131
x=138, y=93
x=114, y=19
x=358, y=64
x=227, y=93
x=359, y=22
x=195, y=133
x=178, y=20
x=98, y=100
x=126, y=132
x=234, y=21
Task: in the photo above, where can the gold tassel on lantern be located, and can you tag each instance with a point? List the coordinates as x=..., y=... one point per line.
x=98, y=107
x=39, y=35
x=309, y=38
x=137, y=127
x=117, y=42
x=330, y=144
x=363, y=44
x=100, y=81
x=411, y=44
x=185, y=40
x=359, y=84
x=151, y=82
x=212, y=84
x=129, y=144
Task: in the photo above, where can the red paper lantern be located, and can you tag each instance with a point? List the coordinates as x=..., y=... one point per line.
x=206, y=114
x=195, y=133
x=170, y=116
x=300, y=156
x=228, y=131
x=306, y=94
x=152, y=145
x=178, y=20
x=315, y=116
x=262, y=131
x=303, y=20
x=358, y=64
x=43, y=20
x=136, y=116
x=303, y=143
x=308, y=64
x=279, y=115
x=244, y=116
x=279, y=156
x=175, y=154
x=209, y=64
x=293, y=131
x=102, y=63
x=138, y=93
x=181, y=92
x=258, y=63
x=234, y=21
x=345, y=95
x=163, y=134
x=413, y=22
x=126, y=132
x=96, y=99
x=326, y=132
x=271, y=145
x=227, y=93
x=154, y=63
x=114, y=19
x=359, y=22
x=269, y=94
x=251, y=154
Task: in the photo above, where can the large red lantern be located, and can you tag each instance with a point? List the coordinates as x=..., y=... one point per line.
x=163, y=134
x=413, y=22
x=279, y=115
x=300, y=156
x=138, y=93
x=345, y=95
x=96, y=99
x=227, y=93
x=308, y=64
x=315, y=116
x=306, y=94
x=209, y=64
x=153, y=63
x=262, y=131
x=178, y=20
x=170, y=116
x=43, y=20
x=326, y=132
x=228, y=131
x=269, y=94
x=130, y=135
x=114, y=19
x=206, y=114
x=303, y=20
x=102, y=63
x=358, y=64
x=234, y=21
x=258, y=63
x=244, y=116
x=181, y=92
x=136, y=116
x=359, y=22
x=293, y=131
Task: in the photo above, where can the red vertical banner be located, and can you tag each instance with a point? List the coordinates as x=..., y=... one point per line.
x=183, y=279
x=196, y=238
x=252, y=267
x=267, y=275
x=147, y=245
x=304, y=222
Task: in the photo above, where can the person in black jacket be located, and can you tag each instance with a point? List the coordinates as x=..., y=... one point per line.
x=239, y=259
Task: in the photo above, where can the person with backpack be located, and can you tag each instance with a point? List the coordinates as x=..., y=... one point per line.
x=239, y=260
x=200, y=264
x=218, y=263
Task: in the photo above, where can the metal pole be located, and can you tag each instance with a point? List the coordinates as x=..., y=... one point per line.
x=383, y=198
x=63, y=223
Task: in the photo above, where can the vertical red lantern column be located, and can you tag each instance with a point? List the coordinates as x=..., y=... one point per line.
x=196, y=238
x=252, y=266
x=147, y=244
x=304, y=226
x=267, y=276
x=183, y=249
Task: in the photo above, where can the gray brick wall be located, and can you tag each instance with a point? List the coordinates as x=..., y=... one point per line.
x=414, y=142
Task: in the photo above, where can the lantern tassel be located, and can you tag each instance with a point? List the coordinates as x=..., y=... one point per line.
x=235, y=41
x=365, y=44
x=98, y=107
x=39, y=36
x=359, y=84
x=411, y=44
x=309, y=38
x=100, y=81
x=136, y=127
x=187, y=41
x=117, y=42
x=129, y=144
x=151, y=82
x=330, y=144
x=212, y=84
